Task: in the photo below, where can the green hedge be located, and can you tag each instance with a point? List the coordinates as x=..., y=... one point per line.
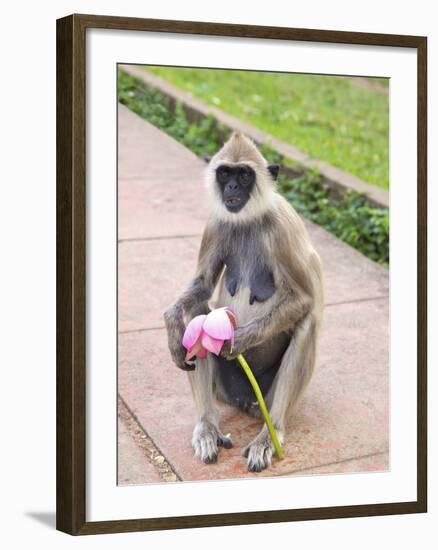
x=350, y=218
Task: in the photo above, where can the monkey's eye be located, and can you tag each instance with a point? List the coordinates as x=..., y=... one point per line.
x=246, y=176
x=223, y=174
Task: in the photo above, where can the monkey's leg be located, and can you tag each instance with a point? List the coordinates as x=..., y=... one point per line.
x=292, y=378
x=206, y=435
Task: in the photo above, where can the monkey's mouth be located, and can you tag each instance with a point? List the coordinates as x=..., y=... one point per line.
x=234, y=204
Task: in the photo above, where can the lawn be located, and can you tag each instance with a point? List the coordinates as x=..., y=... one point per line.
x=331, y=119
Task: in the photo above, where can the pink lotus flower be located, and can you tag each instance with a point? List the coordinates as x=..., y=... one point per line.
x=209, y=332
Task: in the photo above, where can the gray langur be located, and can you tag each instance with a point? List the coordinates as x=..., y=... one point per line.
x=256, y=257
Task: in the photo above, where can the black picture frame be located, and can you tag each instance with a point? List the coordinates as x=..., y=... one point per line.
x=71, y=273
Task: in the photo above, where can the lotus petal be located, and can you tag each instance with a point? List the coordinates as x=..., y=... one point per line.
x=218, y=324
x=202, y=353
x=194, y=351
x=193, y=332
x=231, y=315
x=212, y=344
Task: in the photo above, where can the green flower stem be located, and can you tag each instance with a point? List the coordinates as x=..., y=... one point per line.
x=263, y=408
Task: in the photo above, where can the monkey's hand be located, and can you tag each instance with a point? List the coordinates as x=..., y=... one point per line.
x=241, y=344
x=175, y=330
x=178, y=354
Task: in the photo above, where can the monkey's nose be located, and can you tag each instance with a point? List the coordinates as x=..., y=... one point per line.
x=232, y=186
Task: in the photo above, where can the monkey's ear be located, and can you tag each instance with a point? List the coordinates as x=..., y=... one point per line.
x=274, y=169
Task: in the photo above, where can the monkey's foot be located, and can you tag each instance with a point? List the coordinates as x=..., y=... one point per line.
x=259, y=452
x=206, y=440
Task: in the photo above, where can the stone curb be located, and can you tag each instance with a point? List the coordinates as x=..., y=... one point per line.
x=337, y=179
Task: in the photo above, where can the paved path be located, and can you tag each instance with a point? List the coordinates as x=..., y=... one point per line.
x=342, y=423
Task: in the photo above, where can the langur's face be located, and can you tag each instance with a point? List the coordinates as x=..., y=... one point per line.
x=235, y=183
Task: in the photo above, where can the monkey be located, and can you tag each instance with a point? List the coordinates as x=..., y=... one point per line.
x=257, y=258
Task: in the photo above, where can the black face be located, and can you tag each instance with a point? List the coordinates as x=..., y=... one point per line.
x=236, y=184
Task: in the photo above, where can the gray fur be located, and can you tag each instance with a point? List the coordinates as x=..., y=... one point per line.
x=206, y=436
x=260, y=451
x=261, y=263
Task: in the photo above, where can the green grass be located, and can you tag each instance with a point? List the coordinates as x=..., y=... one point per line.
x=331, y=119
x=380, y=80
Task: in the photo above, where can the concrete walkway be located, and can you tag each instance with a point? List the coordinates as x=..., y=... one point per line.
x=342, y=423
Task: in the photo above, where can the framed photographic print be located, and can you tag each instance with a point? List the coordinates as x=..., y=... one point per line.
x=241, y=274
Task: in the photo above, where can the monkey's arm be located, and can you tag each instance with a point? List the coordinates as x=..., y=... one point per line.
x=292, y=307
x=194, y=300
